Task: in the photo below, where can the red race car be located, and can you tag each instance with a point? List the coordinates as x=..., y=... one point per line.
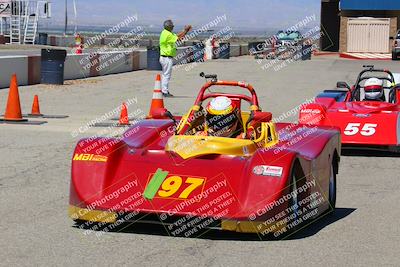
x=368, y=113
x=220, y=167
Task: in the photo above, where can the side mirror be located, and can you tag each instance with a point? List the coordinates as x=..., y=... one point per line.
x=343, y=85
x=162, y=113
x=169, y=115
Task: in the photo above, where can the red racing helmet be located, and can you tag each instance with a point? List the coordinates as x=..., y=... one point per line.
x=373, y=89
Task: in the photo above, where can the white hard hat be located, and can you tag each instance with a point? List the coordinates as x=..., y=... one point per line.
x=373, y=88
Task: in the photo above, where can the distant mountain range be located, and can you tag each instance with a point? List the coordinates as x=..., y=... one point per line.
x=150, y=30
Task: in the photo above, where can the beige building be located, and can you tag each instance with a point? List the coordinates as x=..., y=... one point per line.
x=359, y=26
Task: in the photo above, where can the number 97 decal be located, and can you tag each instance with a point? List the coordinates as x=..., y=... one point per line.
x=367, y=129
x=173, y=184
x=165, y=185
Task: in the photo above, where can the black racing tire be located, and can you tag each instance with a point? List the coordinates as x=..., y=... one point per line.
x=297, y=180
x=333, y=186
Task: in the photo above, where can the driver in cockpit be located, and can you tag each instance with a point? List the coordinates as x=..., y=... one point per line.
x=222, y=119
x=374, y=91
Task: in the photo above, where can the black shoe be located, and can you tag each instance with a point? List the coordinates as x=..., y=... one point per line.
x=167, y=95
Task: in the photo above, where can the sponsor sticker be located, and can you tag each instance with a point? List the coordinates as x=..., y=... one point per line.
x=90, y=157
x=312, y=111
x=362, y=115
x=265, y=170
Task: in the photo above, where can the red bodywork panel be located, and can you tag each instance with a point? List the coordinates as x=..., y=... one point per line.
x=234, y=181
x=368, y=123
x=133, y=159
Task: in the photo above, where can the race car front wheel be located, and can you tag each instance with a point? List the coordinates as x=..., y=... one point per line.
x=332, y=186
x=297, y=181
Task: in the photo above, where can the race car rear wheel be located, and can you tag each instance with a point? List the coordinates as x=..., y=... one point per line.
x=294, y=204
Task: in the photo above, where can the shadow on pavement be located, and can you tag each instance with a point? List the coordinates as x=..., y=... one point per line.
x=181, y=96
x=150, y=229
x=321, y=223
x=369, y=153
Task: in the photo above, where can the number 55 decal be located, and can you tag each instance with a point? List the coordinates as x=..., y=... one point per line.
x=368, y=129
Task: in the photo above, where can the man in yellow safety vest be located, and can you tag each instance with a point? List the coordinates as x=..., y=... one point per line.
x=168, y=41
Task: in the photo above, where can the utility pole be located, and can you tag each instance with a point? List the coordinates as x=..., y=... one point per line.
x=66, y=17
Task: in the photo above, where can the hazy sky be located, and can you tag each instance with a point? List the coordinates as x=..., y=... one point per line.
x=257, y=14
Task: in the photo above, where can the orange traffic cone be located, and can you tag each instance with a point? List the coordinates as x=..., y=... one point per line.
x=13, y=110
x=124, y=118
x=36, y=108
x=157, y=101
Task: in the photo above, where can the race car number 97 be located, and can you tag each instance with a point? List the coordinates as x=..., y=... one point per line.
x=172, y=184
x=367, y=129
x=162, y=184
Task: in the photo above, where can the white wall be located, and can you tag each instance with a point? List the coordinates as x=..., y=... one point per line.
x=143, y=59
x=245, y=49
x=10, y=65
x=181, y=54
x=115, y=62
x=79, y=66
x=234, y=50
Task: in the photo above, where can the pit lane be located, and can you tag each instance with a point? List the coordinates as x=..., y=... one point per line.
x=35, y=168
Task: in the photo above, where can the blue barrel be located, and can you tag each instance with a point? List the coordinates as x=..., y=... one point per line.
x=306, y=52
x=52, y=66
x=42, y=38
x=224, y=50
x=198, y=52
x=153, y=58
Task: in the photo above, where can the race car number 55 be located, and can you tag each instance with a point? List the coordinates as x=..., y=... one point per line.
x=367, y=129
